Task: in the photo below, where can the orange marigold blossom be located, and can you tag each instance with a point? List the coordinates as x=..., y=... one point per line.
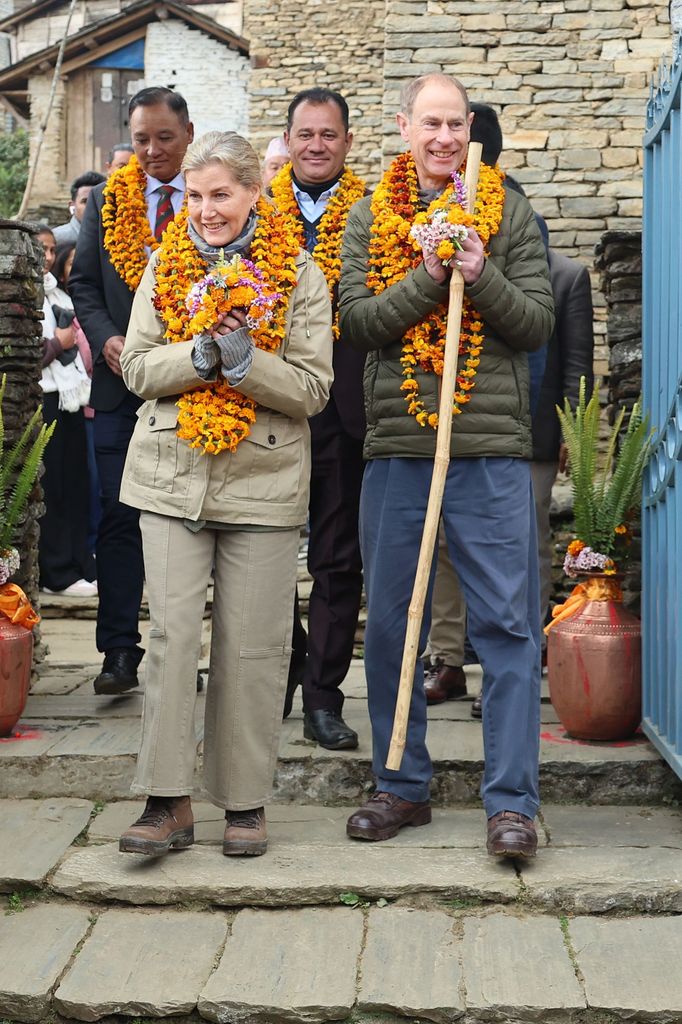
x=127, y=235
x=216, y=417
x=392, y=253
x=331, y=227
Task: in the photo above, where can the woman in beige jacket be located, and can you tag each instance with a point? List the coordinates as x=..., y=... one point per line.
x=218, y=496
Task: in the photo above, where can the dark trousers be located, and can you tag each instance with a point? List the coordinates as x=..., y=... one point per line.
x=489, y=522
x=120, y=568
x=335, y=564
x=63, y=548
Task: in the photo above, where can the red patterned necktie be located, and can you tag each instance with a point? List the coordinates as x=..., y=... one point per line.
x=164, y=210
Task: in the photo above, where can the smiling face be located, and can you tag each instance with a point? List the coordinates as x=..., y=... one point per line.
x=218, y=205
x=159, y=139
x=437, y=132
x=318, y=142
x=49, y=250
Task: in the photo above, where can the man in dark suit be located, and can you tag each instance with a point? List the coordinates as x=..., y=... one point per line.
x=103, y=284
x=570, y=356
x=318, y=139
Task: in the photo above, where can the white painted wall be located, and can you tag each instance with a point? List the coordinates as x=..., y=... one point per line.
x=212, y=78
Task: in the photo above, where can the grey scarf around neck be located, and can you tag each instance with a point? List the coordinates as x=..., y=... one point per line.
x=211, y=253
x=427, y=195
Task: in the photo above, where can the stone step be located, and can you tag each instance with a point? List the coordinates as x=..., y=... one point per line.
x=591, y=860
x=389, y=963
x=422, y=927
x=72, y=743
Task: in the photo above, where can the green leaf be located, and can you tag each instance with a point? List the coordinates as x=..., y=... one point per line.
x=351, y=899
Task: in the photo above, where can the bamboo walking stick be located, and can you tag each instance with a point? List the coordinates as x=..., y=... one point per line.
x=441, y=461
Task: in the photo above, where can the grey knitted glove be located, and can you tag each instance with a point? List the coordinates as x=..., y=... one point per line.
x=236, y=353
x=205, y=356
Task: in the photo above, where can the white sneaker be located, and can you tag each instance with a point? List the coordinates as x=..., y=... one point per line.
x=81, y=588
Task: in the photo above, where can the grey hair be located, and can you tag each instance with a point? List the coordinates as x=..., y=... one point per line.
x=411, y=90
x=228, y=149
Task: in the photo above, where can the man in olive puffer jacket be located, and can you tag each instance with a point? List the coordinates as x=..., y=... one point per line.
x=488, y=511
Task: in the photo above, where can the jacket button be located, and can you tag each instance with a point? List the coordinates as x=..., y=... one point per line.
x=152, y=421
x=271, y=439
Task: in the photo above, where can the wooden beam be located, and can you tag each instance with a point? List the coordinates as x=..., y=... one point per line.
x=104, y=48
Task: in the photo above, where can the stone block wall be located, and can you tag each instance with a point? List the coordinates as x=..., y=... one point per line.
x=21, y=349
x=619, y=265
x=570, y=80
x=336, y=45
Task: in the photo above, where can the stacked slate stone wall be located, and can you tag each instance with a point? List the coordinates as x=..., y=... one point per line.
x=569, y=78
x=337, y=45
x=619, y=264
x=21, y=348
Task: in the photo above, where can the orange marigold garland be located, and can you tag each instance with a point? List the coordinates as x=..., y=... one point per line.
x=393, y=251
x=327, y=252
x=127, y=235
x=216, y=417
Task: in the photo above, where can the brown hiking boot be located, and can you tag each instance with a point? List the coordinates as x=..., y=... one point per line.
x=165, y=822
x=245, y=833
x=511, y=834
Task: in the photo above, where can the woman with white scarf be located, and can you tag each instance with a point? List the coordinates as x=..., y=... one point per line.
x=66, y=566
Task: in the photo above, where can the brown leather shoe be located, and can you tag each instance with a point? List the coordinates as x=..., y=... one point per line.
x=384, y=814
x=511, y=835
x=477, y=707
x=245, y=833
x=444, y=682
x=165, y=822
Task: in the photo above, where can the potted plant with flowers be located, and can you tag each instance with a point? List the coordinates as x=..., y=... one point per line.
x=19, y=466
x=594, y=642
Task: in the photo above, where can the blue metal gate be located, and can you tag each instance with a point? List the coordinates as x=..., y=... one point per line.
x=662, y=388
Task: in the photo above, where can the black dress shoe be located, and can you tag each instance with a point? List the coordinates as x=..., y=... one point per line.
x=119, y=671
x=330, y=730
x=477, y=707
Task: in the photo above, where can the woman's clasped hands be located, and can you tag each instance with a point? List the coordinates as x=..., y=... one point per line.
x=229, y=344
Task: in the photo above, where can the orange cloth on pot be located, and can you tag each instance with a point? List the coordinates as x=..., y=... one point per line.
x=17, y=607
x=600, y=588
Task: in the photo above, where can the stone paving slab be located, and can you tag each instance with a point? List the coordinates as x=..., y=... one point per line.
x=105, y=738
x=307, y=965
x=36, y=945
x=83, y=705
x=411, y=965
x=32, y=738
x=600, y=880
x=59, y=682
x=631, y=966
x=518, y=967
x=312, y=824
x=136, y=964
x=34, y=836
x=291, y=874
x=613, y=826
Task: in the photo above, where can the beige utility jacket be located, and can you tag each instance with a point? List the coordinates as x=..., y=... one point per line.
x=266, y=480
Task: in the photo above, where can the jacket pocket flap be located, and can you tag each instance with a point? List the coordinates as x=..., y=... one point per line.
x=271, y=432
x=159, y=415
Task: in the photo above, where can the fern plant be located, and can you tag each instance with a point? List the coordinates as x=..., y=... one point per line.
x=606, y=496
x=26, y=456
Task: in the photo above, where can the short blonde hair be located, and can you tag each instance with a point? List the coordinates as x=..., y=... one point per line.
x=228, y=149
x=411, y=90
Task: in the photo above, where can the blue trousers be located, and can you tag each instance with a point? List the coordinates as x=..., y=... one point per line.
x=489, y=521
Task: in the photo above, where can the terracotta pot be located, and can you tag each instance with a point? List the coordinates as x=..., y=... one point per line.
x=16, y=651
x=594, y=669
